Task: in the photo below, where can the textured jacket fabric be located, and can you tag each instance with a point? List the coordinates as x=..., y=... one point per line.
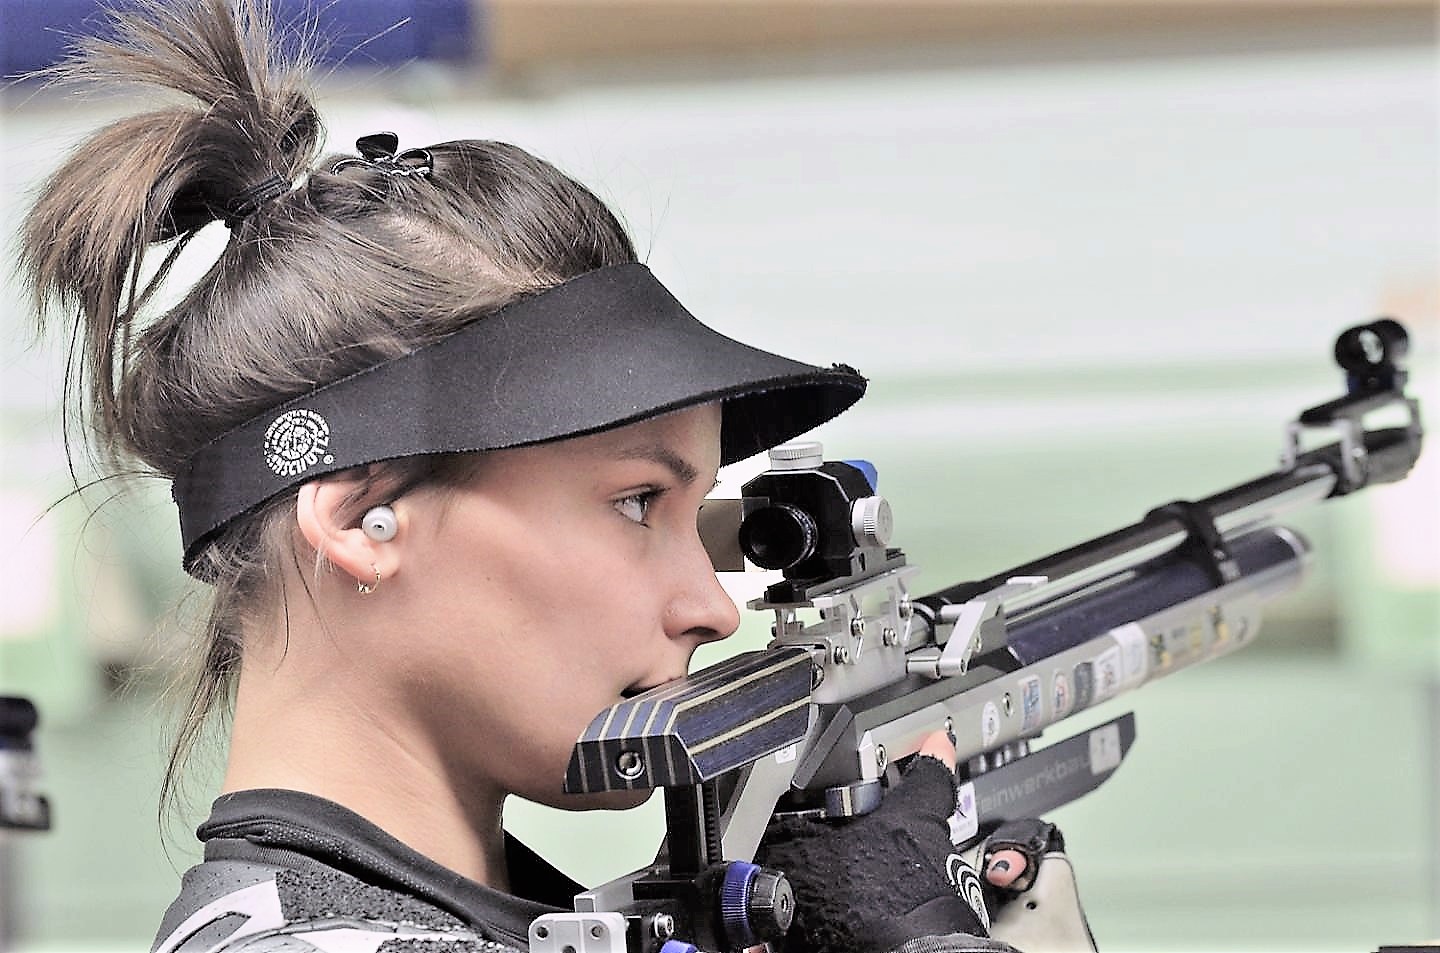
x=288, y=871
x=285, y=872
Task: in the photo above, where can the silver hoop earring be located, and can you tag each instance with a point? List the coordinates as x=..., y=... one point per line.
x=366, y=588
x=379, y=524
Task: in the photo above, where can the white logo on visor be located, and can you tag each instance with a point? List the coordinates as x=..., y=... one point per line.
x=296, y=441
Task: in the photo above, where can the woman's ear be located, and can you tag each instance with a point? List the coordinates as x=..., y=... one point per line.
x=325, y=515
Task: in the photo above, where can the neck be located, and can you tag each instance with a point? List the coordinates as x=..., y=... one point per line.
x=305, y=731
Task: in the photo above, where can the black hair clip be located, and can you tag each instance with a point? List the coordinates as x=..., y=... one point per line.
x=378, y=152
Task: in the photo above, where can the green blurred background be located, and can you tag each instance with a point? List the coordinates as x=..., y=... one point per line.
x=1091, y=256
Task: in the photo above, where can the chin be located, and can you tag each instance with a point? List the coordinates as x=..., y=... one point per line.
x=604, y=801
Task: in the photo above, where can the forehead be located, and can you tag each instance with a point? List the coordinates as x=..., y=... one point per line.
x=694, y=431
x=686, y=441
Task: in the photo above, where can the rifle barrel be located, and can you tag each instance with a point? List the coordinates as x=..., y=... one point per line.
x=1315, y=477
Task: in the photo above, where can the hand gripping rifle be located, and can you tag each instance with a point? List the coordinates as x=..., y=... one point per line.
x=816, y=722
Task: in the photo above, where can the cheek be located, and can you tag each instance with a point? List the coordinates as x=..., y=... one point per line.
x=541, y=624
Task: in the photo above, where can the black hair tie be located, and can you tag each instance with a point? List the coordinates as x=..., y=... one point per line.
x=248, y=201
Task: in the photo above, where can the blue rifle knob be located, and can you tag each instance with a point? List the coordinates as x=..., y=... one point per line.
x=872, y=476
x=679, y=946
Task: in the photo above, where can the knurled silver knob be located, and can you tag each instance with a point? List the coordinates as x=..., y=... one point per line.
x=871, y=521
x=800, y=455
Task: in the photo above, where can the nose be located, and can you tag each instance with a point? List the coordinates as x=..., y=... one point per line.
x=700, y=607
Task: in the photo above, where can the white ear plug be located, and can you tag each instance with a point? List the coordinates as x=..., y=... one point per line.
x=379, y=524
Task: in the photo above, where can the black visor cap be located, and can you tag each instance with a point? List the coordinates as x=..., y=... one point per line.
x=605, y=349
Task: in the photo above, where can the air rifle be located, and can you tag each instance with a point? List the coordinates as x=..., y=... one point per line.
x=815, y=723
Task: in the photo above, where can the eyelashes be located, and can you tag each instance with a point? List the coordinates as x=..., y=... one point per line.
x=636, y=506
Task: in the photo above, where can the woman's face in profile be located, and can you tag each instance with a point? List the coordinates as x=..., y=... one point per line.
x=564, y=578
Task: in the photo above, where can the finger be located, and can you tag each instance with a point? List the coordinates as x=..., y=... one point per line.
x=938, y=745
x=1004, y=867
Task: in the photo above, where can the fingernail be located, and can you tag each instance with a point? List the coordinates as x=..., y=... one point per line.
x=1001, y=865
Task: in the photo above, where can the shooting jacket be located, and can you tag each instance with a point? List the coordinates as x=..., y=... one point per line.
x=286, y=871
x=282, y=866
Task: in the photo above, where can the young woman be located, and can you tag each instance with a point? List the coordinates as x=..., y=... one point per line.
x=438, y=442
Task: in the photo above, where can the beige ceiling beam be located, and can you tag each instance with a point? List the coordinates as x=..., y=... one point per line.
x=526, y=35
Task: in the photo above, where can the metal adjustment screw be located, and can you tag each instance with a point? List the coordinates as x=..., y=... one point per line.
x=629, y=765
x=597, y=931
x=949, y=725
x=1008, y=704
x=840, y=655
x=542, y=932
x=889, y=636
x=906, y=609
x=817, y=675
x=663, y=926
x=882, y=759
x=857, y=627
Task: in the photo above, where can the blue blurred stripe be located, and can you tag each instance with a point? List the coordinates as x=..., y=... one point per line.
x=359, y=33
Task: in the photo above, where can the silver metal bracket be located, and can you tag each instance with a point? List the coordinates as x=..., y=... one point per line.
x=972, y=625
x=578, y=933
x=1350, y=428
x=861, y=635
x=1353, y=460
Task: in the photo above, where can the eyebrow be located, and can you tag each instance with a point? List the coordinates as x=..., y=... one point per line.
x=683, y=470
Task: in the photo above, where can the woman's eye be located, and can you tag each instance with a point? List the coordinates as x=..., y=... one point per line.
x=636, y=507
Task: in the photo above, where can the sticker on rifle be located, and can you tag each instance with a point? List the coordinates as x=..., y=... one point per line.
x=1084, y=684
x=1060, y=697
x=1159, y=654
x=1107, y=673
x=787, y=754
x=989, y=724
x=1105, y=750
x=1133, y=646
x=965, y=822
x=1186, y=644
x=1031, y=705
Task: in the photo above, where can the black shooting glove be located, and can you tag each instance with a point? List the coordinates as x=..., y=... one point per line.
x=872, y=884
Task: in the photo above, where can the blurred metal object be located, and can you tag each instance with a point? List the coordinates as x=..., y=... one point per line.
x=22, y=807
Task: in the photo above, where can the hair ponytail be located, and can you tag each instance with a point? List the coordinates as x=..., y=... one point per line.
x=158, y=178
